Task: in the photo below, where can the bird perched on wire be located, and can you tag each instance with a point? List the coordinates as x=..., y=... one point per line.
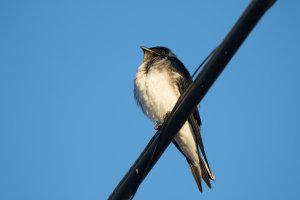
x=159, y=82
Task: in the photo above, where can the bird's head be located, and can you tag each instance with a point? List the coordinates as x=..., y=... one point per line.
x=156, y=52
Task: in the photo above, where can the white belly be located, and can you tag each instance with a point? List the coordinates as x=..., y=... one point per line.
x=158, y=96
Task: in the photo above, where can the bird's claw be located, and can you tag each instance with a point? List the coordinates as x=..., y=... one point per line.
x=166, y=116
x=158, y=126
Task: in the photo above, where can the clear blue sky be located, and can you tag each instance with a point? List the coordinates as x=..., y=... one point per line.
x=69, y=126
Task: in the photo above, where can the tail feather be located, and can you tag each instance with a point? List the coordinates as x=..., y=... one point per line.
x=201, y=171
x=196, y=171
x=205, y=173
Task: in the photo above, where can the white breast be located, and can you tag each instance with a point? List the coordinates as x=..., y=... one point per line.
x=157, y=95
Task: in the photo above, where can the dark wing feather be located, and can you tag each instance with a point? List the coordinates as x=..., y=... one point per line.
x=183, y=82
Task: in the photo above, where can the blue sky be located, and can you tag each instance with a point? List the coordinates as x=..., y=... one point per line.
x=69, y=126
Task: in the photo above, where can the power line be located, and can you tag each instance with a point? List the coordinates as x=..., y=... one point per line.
x=189, y=100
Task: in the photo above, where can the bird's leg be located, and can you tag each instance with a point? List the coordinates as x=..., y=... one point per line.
x=158, y=125
x=166, y=116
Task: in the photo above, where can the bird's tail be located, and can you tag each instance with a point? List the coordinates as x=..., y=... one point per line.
x=202, y=171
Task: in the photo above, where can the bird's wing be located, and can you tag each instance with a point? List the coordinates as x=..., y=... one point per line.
x=183, y=82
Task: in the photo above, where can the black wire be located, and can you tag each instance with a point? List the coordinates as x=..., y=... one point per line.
x=129, y=184
x=203, y=62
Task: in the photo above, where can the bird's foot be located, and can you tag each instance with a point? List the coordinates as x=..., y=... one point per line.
x=166, y=116
x=158, y=126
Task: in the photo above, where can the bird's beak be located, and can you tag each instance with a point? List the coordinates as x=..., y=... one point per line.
x=145, y=49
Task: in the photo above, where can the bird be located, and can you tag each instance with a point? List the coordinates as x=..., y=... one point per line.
x=159, y=82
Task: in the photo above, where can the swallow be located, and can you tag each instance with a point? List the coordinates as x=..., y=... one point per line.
x=159, y=82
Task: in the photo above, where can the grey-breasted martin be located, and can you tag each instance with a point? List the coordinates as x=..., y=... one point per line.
x=159, y=82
